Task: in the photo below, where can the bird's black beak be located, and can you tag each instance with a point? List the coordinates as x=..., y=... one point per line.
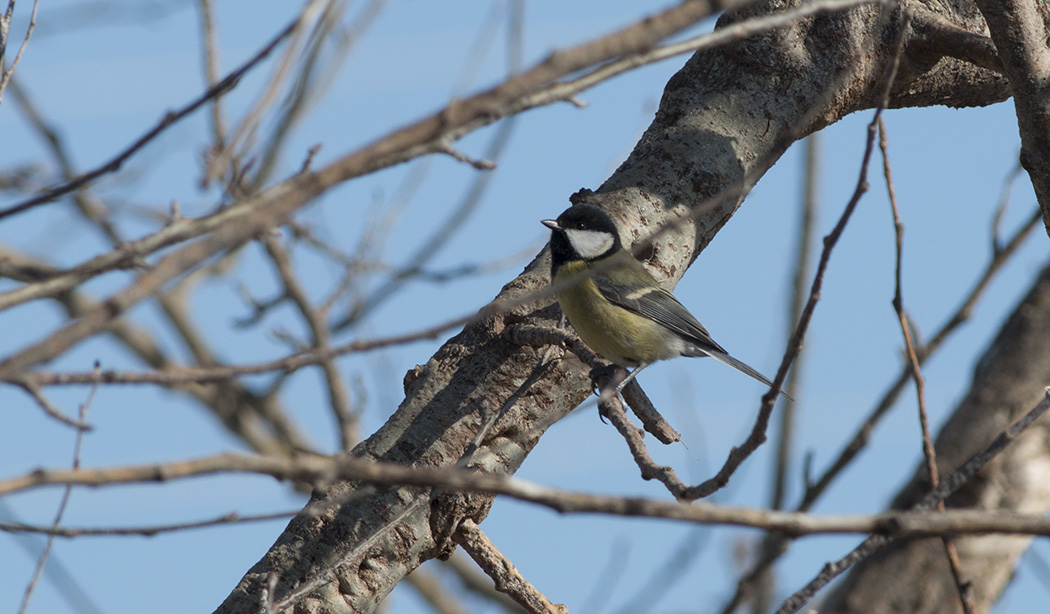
x=552, y=224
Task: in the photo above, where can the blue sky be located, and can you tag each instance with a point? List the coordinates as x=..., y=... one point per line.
x=107, y=81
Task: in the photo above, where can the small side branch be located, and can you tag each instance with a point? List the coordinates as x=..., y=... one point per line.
x=964, y=587
x=612, y=409
x=507, y=578
x=5, y=27
x=932, y=37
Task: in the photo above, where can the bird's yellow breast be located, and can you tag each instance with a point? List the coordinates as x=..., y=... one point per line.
x=618, y=335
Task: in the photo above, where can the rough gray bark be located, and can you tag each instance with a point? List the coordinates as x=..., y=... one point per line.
x=1020, y=31
x=724, y=119
x=1007, y=383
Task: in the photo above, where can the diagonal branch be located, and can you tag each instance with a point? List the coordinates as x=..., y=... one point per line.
x=912, y=356
x=1019, y=29
x=722, y=120
x=507, y=578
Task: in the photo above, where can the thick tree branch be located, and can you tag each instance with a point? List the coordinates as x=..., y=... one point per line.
x=1019, y=29
x=724, y=119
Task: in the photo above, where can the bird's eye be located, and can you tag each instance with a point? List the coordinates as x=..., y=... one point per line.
x=581, y=226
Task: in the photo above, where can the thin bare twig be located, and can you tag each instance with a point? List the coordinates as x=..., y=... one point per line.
x=430, y=248
x=776, y=544
x=958, y=317
x=86, y=204
x=106, y=313
x=948, y=486
x=33, y=389
x=144, y=531
x=323, y=470
x=256, y=419
x=312, y=79
x=181, y=375
x=211, y=66
x=415, y=263
x=62, y=579
x=245, y=132
x=5, y=27
x=965, y=589
x=228, y=83
x=316, y=321
x=68, y=491
x=377, y=233
x=651, y=420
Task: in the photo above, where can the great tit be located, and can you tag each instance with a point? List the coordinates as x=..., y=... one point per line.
x=619, y=311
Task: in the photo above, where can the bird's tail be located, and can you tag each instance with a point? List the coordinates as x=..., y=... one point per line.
x=743, y=368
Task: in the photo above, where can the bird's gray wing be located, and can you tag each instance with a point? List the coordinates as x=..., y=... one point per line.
x=661, y=306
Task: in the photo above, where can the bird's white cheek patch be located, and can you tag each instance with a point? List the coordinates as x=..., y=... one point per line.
x=589, y=243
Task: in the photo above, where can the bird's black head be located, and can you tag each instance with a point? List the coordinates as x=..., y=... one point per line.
x=582, y=232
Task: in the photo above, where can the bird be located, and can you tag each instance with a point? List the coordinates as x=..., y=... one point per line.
x=618, y=309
